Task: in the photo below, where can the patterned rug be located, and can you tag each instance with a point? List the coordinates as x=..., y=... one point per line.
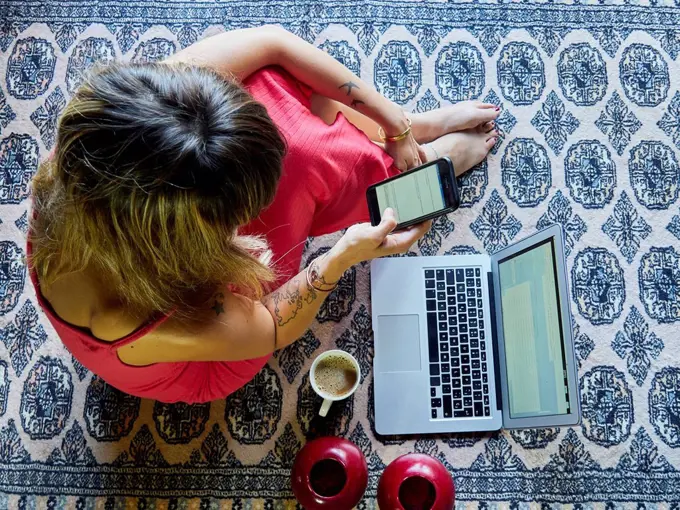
x=591, y=116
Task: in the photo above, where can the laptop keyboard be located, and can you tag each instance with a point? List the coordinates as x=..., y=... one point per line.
x=459, y=381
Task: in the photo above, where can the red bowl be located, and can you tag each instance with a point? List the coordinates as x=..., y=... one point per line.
x=329, y=472
x=416, y=481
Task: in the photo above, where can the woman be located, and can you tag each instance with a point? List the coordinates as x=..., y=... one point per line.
x=169, y=225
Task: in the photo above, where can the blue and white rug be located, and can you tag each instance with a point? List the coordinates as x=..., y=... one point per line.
x=591, y=115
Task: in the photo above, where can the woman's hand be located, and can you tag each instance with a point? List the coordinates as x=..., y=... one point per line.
x=365, y=242
x=405, y=153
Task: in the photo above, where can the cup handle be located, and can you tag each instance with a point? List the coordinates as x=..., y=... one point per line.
x=325, y=407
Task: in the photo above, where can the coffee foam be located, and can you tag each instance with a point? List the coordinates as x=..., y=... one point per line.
x=335, y=375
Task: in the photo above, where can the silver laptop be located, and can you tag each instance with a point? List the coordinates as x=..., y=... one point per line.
x=474, y=342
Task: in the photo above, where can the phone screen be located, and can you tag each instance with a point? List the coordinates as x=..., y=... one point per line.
x=414, y=195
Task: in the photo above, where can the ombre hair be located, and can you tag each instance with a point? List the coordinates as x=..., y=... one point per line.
x=156, y=167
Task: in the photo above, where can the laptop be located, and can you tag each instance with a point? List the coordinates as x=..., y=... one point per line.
x=467, y=343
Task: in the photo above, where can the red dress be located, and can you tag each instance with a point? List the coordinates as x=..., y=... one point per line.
x=325, y=176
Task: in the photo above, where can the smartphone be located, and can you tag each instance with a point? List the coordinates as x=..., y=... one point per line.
x=423, y=193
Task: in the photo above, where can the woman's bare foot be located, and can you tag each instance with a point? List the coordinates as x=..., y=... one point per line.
x=465, y=148
x=458, y=117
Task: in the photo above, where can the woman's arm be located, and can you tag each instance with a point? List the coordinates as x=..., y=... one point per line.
x=242, y=52
x=234, y=328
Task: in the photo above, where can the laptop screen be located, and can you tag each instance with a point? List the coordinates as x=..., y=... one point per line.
x=534, y=349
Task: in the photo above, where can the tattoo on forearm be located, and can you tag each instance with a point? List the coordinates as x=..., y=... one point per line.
x=357, y=102
x=288, y=294
x=218, y=305
x=350, y=85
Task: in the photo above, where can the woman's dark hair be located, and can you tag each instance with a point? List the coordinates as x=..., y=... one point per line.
x=156, y=166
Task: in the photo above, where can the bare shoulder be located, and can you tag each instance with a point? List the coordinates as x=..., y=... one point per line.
x=229, y=327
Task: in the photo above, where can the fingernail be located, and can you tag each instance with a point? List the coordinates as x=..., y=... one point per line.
x=498, y=108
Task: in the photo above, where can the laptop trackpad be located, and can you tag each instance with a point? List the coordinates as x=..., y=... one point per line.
x=399, y=343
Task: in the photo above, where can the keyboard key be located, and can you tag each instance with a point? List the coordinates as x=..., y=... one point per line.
x=430, y=294
x=442, y=326
x=479, y=293
x=485, y=378
x=441, y=306
x=449, y=277
x=467, y=391
x=477, y=395
x=446, y=378
x=455, y=362
x=429, y=273
x=460, y=275
x=454, y=338
x=462, y=317
x=434, y=414
x=441, y=286
x=464, y=338
x=453, y=321
x=446, y=389
x=451, y=300
x=465, y=369
x=470, y=282
x=480, y=303
x=435, y=381
x=435, y=402
x=477, y=272
x=444, y=346
x=443, y=337
x=457, y=394
x=455, y=383
x=474, y=353
x=481, y=334
x=455, y=372
x=451, y=310
x=468, y=412
x=463, y=328
x=434, y=368
x=470, y=293
x=453, y=332
x=448, y=408
x=458, y=404
x=472, y=312
x=472, y=322
x=441, y=296
x=476, y=385
x=476, y=374
x=459, y=414
x=460, y=287
x=478, y=282
x=481, y=313
x=451, y=291
x=486, y=411
x=483, y=367
x=482, y=346
x=486, y=400
x=432, y=337
x=466, y=380
x=455, y=351
x=444, y=357
x=467, y=402
x=431, y=305
x=445, y=368
x=481, y=324
x=469, y=272
x=483, y=356
x=440, y=274
x=479, y=409
x=465, y=349
x=429, y=284
x=465, y=359
x=471, y=303
x=461, y=298
x=433, y=392
x=485, y=388
x=475, y=363
x=474, y=343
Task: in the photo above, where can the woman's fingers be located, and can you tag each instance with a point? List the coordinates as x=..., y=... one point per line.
x=386, y=225
x=400, y=242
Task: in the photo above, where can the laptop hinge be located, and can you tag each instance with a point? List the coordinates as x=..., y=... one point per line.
x=494, y=340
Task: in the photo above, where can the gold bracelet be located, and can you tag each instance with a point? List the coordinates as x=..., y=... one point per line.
x=400, y=136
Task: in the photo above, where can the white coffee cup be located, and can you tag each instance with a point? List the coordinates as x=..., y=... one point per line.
x=329, y=398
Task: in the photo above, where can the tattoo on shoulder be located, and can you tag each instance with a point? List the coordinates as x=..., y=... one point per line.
x=350, y=85
x=356, y=102
x=218, y=303
x=288, y=294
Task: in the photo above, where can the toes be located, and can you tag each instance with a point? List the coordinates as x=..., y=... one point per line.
x=491, y=142
x=487, y=106
x=486, y=127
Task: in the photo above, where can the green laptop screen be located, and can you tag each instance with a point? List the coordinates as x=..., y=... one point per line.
x=534, y=350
